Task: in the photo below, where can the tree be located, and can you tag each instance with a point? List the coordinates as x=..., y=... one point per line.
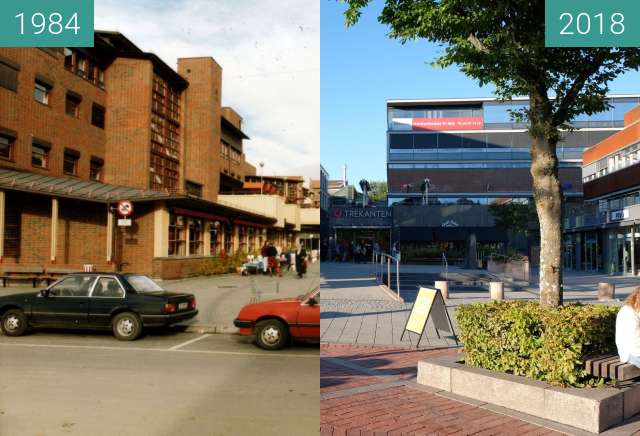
x=378, y=191
x=502, y=43
x=513, y=217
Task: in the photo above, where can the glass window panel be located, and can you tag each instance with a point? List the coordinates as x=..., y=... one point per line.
x=449, y=140
x=474, y=140
x=400, y=141
x=497, y=140
x=426, y=140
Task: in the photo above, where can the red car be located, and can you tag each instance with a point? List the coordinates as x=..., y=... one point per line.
x=275, y=322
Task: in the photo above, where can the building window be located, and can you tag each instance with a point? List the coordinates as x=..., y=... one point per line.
x=8, y=77
x=215, y=238
x=6, y=147
x=39, y=155
x=84, y=67
x=95, y=169
x=163, y=173
x=224, y=150
x=177, y=233
x=97, y=116
x=73, y=105
x=242, y=239
x=12, y=228
x=41, y=92
x=195, y=237
x=194, y=189
x=228, y=239
x=70, y=163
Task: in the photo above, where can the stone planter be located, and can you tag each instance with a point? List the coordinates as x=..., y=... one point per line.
x=590, y=409
x=513, y=269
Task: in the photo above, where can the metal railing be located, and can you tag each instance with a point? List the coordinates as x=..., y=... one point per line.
x=382, y=262
x=445, y=266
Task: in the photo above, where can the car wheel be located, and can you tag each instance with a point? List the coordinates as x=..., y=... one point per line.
x=127, y=326
x=14, y=323
x=271, y=334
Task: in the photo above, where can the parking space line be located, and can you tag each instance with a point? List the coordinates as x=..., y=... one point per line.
x=164, y=350
x=190, y=341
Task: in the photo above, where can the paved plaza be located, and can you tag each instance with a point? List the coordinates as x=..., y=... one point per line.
x=356, y=310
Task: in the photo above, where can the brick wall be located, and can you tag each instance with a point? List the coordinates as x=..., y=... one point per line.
x=20, y=112
x=134, y=245
x=130, y=85
x=202, y=105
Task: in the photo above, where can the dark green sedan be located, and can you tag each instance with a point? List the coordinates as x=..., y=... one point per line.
x=123, y=303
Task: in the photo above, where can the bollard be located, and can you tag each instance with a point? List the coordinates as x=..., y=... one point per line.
x=606, y=291
x=496, y=291
x=443, y=285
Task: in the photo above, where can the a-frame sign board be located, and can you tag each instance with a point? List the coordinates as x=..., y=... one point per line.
x=429, y=302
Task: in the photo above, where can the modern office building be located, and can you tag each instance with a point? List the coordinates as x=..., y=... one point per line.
x=604, y=234
x=449, y=159
x=82, y=129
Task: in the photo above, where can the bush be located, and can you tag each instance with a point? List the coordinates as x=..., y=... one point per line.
x=547, y=344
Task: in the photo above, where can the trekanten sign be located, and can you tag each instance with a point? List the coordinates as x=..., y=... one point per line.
x=361, y=217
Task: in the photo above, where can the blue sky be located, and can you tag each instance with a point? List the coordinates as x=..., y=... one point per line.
x=360, y=69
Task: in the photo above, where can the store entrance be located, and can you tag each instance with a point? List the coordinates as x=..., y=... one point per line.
x=347, y=239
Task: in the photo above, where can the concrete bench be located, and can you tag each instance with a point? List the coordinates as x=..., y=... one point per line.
x=609, y=366
x=21, y=273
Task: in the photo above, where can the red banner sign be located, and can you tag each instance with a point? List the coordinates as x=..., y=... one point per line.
x=456, y=123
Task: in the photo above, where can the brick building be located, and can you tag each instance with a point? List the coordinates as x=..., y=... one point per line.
x=82, y=129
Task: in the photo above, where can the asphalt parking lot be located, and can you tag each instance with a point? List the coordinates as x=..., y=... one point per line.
x=167, y=383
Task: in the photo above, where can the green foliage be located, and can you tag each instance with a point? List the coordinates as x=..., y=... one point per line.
x=539, y=342
x=513, y=216
x=378, y=191
x=223, y=265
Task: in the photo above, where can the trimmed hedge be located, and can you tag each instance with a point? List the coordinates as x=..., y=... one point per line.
x=547, y=344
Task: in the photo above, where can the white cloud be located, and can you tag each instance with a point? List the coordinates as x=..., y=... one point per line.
x=270, y=54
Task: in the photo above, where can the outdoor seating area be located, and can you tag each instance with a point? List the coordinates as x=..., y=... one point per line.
x=35, y=275
x=610, y=367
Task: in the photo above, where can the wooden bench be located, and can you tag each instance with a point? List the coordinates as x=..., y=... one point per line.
x=21, y=273
x=53, y=274
x=609, y=366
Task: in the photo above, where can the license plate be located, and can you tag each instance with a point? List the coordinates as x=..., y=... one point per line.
x=183, y=306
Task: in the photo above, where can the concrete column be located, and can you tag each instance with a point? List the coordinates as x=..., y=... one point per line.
x=222, y=236
x=206, y=239
x=110, y=228
x=160, y=232
x=496, y=290
x=444, y=288
x=2, y=214
x=472, y=251
x=54, y=229
x=633, y=249
x=606, y=291
x=236, y=238
x=187, y=235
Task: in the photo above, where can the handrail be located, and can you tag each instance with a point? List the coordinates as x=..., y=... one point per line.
x=378, y=262
x=445, y=266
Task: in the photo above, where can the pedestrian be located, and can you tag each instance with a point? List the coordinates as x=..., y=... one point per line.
x=272, y=261
x=301, y=261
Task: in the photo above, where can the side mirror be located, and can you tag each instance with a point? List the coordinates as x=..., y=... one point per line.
x=44, y=293
x=312, y=302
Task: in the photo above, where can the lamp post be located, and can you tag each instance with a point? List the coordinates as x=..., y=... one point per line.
x=261, y=163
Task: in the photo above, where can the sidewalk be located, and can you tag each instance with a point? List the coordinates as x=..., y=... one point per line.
x=220, y=298
x=367, y=390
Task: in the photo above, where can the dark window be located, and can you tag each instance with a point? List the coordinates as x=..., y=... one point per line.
x=426, y=140
x=97, y=116
x=401, y=141
x=70, y=164
x=42, y=92
x=12, y=228
x=195, y=237
x=73, y=105
x=449, y=140
x=474, y=140
x=95, y=170
x=177, y=234
x=194, y=189
x=6, y=147
x=8, y=77
x=500, y=140
x=39, y=156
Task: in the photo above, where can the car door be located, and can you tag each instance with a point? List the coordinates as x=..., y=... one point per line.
x=308, y=322
x=107, y=295
x=66, y=304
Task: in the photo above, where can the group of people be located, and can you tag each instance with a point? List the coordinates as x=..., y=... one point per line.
x=356, y=251
x=277, y=259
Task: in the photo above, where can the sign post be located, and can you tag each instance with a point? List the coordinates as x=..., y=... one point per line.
x=429, y=302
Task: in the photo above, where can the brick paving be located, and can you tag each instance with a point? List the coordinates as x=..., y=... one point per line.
x=367, y=390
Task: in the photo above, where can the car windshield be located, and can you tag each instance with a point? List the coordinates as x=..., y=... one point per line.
x=143, y=284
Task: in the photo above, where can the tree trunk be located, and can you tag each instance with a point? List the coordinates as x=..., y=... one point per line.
x=547, y=193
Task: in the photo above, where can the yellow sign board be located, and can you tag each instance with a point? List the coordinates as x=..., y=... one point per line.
x=421, y=309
